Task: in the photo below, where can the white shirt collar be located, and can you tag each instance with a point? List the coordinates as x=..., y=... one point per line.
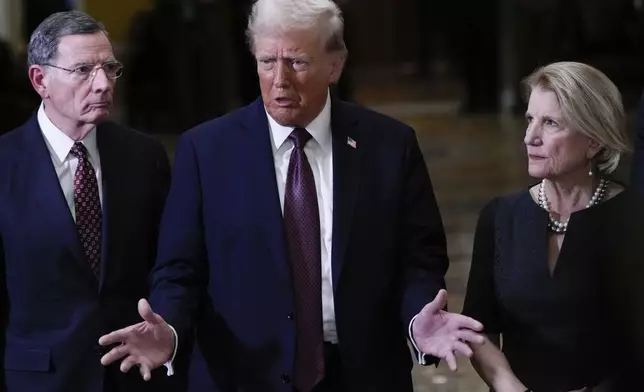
x=59, y=143
x=319, y=128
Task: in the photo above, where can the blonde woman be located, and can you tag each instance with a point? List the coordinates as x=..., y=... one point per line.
x=542, y=256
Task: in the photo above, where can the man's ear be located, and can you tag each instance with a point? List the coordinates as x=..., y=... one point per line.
x=337, y=65
x=38, y=79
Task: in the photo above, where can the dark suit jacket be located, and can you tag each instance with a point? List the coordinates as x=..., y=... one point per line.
x=53, y=308
x=637, y=168
x=222, y=251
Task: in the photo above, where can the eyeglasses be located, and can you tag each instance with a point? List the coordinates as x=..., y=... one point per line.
x=113, y=70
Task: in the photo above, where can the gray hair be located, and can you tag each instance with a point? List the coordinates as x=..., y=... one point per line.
x=278, y=16
x=43, y=44
x=590, y=104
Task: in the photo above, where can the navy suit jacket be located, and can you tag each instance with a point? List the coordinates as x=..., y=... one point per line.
x=222, y=265
x=53, y=308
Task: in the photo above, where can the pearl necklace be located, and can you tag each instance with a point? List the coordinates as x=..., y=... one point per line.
x=560, y=227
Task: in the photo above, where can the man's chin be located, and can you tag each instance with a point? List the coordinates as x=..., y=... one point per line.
x=284, y=116
x=97, y=115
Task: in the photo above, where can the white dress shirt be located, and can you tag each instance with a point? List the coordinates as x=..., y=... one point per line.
x=319, y=152
x=65, y=164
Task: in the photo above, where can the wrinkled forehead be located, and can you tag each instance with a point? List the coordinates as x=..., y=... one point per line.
x=85, y=48
x=290, y=42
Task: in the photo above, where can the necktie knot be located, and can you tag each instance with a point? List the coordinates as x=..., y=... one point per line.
x=78, y=150
x=300, y=137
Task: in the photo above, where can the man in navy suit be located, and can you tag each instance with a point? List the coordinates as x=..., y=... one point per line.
x=301, y=236
x=80, y=203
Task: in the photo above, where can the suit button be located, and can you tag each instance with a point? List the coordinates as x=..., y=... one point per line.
x=290, y=316
x=286, y=379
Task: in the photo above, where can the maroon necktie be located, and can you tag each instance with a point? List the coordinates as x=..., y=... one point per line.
x=302, y=224
x=88, y=208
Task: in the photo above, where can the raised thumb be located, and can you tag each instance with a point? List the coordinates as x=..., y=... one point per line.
x=146, y=313
x=436, y=305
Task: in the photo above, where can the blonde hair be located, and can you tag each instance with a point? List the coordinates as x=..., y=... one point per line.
x=278, y=16
x=590, y=103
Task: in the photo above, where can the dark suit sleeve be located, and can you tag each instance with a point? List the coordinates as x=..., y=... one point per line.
x=177, y=277
x=4, y=313
x=637, y=168
x=423, y=249
x=480, y=298
x=162, y=179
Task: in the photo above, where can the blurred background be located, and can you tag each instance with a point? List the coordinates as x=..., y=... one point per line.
x=451, y=69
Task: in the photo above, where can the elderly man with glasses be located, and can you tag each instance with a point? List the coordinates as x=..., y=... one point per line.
x=80, y=203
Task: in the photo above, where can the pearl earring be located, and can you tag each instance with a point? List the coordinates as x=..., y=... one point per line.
x=590, y=168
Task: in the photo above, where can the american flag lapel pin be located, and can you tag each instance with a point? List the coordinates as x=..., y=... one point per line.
x=351, y=142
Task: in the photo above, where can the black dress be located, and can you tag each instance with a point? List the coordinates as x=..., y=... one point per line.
x=565, y=330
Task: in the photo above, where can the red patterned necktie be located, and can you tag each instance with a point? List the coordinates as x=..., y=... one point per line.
x=87, y=204
x=302, y=225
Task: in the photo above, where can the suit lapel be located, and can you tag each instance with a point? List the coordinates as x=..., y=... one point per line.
x=348, y=147
x=47, y=196
x=260, y=165
x=114, y=191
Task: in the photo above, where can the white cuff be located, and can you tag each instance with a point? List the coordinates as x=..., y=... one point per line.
x=168, y=364
x=421, y=355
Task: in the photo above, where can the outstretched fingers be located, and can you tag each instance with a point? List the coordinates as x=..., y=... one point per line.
x=463, y=349
x=465, y=335
x=145, y=371
x=118, y=336
x=128, y=363
x=451, y=361
x=460, y=322
x=115, y=354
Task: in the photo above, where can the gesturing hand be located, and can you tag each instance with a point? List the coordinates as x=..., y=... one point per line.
x=148, y=344
x=442, y=334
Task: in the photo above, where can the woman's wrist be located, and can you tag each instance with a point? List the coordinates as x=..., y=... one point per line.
x=508, y=382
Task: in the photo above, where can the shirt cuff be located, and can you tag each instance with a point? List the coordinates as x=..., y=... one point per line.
x=168, y=364
x=421, y=355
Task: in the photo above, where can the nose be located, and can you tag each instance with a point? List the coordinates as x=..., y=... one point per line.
x=532, y=137
x=282, y=75
x=100, y=81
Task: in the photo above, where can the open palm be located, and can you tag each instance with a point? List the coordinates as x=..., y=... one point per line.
x=442, y=334
x=148, y=344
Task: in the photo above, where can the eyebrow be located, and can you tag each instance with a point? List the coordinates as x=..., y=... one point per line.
x=301, y=57
x=547, y=117
x=556, y=119
x=81, y=63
